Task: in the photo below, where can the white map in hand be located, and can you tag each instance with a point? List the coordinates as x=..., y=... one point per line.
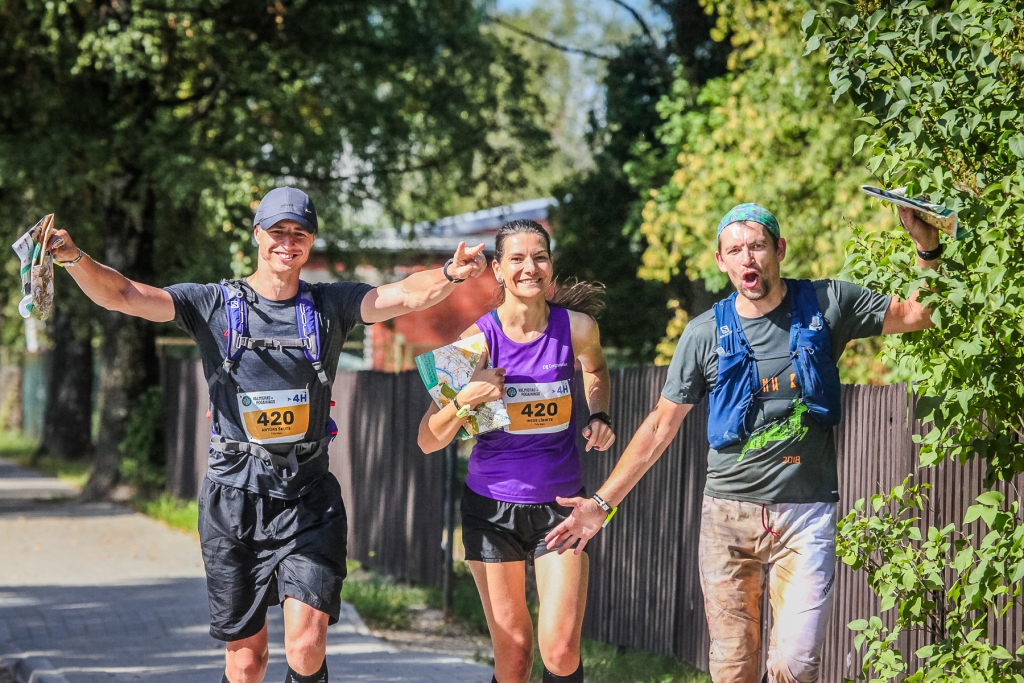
x=446, y=370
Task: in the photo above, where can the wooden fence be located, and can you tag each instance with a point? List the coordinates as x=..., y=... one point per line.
x=644, y=583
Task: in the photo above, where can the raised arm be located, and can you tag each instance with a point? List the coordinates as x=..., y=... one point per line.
x=597, y=386
x=107, y=287
x=424, y=289
x=909, y=315
x=647, y=445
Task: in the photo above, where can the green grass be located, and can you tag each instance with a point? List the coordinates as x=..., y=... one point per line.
x=174, y=512
x=606, y=664
x=382, y=603
x=467, y=609
x=15, y=447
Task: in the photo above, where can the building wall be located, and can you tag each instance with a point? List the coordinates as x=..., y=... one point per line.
x=398, y=341
x=393, y=345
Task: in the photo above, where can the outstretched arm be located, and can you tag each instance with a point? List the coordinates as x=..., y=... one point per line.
x=909, y=315
x=108, y=288
x=650, y=441
x=422, y=290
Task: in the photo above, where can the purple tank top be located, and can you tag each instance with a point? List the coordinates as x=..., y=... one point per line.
x=534, y=459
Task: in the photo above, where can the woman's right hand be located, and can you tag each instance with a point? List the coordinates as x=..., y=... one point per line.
x=486, y=384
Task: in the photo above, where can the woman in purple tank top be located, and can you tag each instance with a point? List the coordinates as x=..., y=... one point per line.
x=521, y=477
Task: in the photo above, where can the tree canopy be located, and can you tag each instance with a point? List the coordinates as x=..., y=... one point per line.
x=151, y=128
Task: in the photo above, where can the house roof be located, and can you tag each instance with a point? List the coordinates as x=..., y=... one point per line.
x=444, y=235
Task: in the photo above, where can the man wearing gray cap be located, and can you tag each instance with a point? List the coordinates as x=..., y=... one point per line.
x=271, y=519
x=766, y=359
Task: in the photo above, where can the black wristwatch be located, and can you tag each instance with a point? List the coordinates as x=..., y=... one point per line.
x=930, y=255
x=603, y=417
x=445, y=271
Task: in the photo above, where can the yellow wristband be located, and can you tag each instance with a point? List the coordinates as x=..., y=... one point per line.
x=462, y=411
x=611, y=514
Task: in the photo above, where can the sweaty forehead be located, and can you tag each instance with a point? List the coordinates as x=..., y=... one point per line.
x=742, y=232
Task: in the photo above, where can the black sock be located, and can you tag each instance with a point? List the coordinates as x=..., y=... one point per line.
x=494, y=679
x=575, y=677
x=319, y=677
x=225, y=679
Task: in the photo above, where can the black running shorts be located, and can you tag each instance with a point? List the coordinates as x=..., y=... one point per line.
x=259, y=549
x=496, y=531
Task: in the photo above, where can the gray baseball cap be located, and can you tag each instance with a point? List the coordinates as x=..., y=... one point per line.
x=287, y=203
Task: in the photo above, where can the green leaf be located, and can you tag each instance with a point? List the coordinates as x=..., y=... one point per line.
x=858, y=144
x=808, y=19
x=1016, y=145
x=858, y=625
x=991, y=498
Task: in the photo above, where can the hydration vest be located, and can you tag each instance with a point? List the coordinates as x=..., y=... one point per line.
x=730, y=404
x=236, y=309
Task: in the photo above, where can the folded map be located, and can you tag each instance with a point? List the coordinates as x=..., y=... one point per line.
x=446, y=370
x=935, y=215
x=36, y=270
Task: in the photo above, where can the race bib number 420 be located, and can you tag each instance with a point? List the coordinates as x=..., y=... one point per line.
x=275, y=416
x=538, y=408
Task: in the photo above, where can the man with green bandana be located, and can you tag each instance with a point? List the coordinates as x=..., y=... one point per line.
x=772, y=488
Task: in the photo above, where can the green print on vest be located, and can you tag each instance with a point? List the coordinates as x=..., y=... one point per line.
x=778, y=431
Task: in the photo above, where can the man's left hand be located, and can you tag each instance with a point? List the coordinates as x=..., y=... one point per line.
x=468, y=262
x=925, y=237
x=579, y=527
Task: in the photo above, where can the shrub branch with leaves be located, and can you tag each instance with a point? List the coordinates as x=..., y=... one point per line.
x=947, y=583
x=940, y=83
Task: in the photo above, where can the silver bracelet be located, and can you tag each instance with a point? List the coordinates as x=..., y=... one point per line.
x=72, y=262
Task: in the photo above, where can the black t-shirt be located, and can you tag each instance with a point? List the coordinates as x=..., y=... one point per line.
x=199, y=310
x=789, y=458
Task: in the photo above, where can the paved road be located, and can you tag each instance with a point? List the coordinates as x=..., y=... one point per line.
x=92, y=592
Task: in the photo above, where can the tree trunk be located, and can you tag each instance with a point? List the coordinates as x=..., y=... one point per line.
x=128, y=351
x=67, y=424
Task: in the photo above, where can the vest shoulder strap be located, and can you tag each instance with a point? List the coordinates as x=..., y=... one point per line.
x=728, y=328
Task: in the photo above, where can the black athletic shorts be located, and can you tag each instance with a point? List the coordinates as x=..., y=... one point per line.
x=259, y=549
x=496, y=531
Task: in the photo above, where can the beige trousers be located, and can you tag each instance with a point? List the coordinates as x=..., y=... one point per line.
x=737, y=554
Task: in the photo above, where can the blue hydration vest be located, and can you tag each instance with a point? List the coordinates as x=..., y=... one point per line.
x=730, y=414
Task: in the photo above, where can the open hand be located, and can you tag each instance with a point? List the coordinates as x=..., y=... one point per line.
x=486, y=384
x=581, y=525
x=598, y=435
x=468, y=262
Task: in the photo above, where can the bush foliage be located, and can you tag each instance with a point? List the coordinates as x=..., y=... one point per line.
x=940, y=85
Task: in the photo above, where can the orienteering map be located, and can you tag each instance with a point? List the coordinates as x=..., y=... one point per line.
x=446, y=370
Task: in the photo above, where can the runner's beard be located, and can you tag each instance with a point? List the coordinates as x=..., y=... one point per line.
x=764, y=290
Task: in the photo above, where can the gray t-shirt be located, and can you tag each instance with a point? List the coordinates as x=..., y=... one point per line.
x=790, y=458
x=199, y=310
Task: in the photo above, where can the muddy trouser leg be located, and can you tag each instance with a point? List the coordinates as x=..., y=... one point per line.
x=801, y=588
x=732, y=555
